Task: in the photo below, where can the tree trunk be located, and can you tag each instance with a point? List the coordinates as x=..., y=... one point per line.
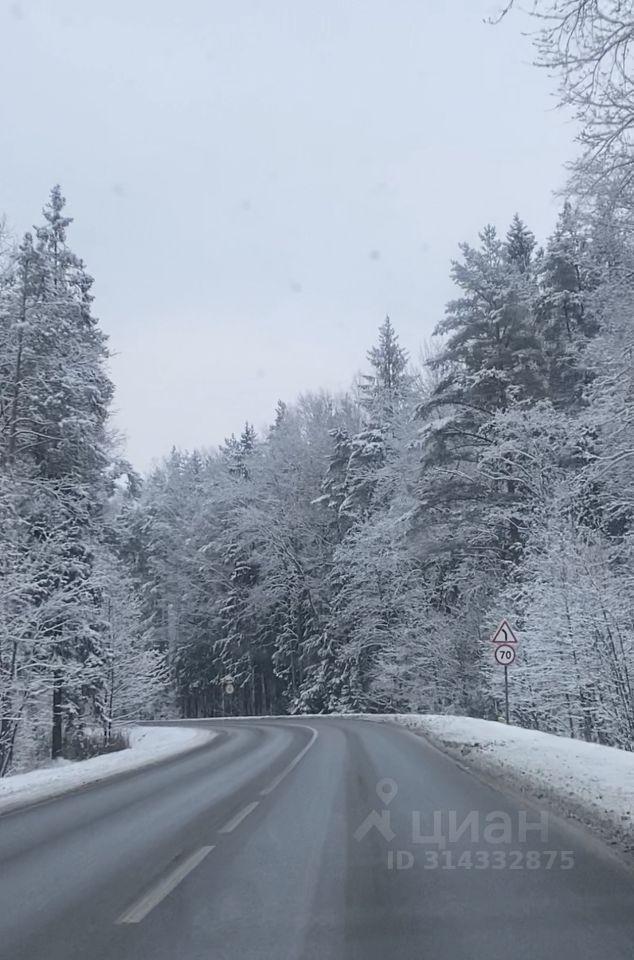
x=17, y=377
x=57, y=731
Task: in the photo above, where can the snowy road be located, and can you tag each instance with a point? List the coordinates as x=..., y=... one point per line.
x=282, y=839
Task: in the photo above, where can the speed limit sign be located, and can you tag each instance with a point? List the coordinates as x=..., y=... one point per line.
x=504, y=654
x=505, y=644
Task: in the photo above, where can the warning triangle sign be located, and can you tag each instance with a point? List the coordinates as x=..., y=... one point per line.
x=504, y=634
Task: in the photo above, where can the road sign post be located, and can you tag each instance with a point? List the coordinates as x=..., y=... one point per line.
x=227, y=691
x=504, y=654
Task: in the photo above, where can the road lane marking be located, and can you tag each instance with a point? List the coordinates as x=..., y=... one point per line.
x=291, y=766
x=142, y=907
x=239, y=817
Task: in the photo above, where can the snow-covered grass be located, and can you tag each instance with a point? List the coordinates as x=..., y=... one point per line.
x=590, y=782
x=147, y=745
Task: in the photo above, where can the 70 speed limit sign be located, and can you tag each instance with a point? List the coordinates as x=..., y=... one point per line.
x=505, y=645
x=504, y=654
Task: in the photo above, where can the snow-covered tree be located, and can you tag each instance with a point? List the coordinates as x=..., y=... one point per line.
x=56, y=479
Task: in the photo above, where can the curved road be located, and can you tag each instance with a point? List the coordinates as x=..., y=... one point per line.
x=306, y=838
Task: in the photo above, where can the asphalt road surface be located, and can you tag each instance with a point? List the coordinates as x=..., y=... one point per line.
x=308, y=838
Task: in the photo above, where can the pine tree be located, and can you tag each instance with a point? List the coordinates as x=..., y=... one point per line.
x=383, y=397
x=239, y=451
x=520, y=244
x=490, y=361
x=564, y=316
x=384, y=390
x=54, y=404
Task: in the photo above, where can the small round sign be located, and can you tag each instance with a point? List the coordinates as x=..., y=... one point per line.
x=229, y=687
x=504, y=654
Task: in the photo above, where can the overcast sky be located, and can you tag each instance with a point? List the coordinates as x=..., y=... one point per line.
x=256, y=184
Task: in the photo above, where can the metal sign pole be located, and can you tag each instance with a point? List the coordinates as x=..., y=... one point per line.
x=504, y=653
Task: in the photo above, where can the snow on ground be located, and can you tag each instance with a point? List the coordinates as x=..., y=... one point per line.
x=590, y=782
x=147, y=745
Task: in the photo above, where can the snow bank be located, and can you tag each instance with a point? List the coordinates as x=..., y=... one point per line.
x=147, y=745
x=592, y=783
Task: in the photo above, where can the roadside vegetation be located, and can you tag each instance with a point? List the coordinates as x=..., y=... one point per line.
x=355, y=555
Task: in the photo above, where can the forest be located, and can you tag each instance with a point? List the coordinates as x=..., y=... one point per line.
x=357, y=554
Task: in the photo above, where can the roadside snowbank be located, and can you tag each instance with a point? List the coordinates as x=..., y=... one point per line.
x=592, y=783
x=147, y=745
x=585, y=781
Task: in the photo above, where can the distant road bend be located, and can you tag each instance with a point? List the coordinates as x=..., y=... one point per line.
x=305, y=838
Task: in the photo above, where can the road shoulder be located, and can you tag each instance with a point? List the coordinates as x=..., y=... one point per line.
x=585, y=782
x=149, y=745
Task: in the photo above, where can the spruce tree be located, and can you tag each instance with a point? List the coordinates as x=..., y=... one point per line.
x=55, y=408
x=564, y=310
x=383, y=391
x=520, y=244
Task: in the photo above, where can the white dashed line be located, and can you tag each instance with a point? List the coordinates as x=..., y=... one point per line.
x=142, y=907
x=239, y=817
x=291, y=766
x=139, y=910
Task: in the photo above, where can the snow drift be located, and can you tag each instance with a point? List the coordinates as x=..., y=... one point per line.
x=587, y=781
x=147, y=745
